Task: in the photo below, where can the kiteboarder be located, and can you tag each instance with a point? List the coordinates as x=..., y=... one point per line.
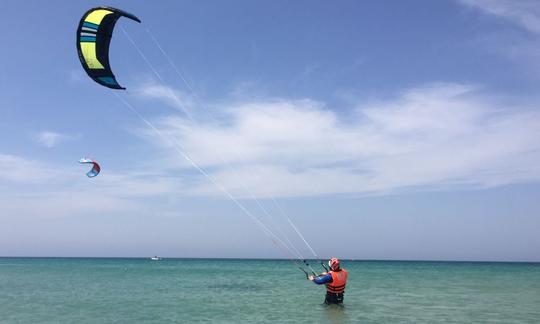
x=335, y=281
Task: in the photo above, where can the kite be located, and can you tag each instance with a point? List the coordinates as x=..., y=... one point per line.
x=93, y=39
x=95, y=167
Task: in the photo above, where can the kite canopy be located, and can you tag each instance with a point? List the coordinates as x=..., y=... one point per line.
x=95, y=167
x=93, y=39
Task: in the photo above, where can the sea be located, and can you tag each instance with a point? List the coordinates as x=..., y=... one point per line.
x=131, y=290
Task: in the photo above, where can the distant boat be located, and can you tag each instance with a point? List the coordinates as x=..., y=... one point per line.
x=155, y=258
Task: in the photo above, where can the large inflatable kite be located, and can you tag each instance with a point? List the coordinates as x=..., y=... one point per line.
x=93, y=40
x=95, y=167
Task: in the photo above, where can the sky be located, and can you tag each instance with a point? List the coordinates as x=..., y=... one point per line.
x=379, y=129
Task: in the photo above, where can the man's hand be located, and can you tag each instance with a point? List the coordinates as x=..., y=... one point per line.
x=311, y=278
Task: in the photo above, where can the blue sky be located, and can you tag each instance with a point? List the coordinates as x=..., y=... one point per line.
x=382, y=129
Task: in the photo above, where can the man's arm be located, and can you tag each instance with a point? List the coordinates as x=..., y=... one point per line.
x=322, y=279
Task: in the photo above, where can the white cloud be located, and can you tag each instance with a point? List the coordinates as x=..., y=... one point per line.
x=20, y=170
x=172, y=97
x=521, y=48
x=430, y=137
x=525, y=13
x=64, y=190
x=51, y=139
x=65, y=204
x=23, y=171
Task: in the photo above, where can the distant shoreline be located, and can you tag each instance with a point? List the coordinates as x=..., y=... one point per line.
x=263, y=259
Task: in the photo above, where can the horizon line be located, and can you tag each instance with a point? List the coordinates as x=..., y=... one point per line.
x=259, y=259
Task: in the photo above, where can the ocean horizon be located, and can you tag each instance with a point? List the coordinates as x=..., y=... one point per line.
x=324, y=260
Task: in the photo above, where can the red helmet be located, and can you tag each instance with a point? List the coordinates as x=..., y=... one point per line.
x=334, y=264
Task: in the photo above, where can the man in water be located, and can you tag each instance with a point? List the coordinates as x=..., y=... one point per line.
x=335, y=281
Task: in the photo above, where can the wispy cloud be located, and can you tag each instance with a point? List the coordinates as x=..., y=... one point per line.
x=521, y=48
x=430, y=137
x=65, y=204
x=20, y=170
x=64, y=190
x=50, y=139
x=172, y=97
x=128, y=183
x=525, y=13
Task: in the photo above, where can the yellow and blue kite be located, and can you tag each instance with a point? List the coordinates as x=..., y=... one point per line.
x=93, y=39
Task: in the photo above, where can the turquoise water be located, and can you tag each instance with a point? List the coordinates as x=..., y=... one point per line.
x=61, y=290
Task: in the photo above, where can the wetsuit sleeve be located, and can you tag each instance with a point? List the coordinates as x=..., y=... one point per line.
x=327, y=278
